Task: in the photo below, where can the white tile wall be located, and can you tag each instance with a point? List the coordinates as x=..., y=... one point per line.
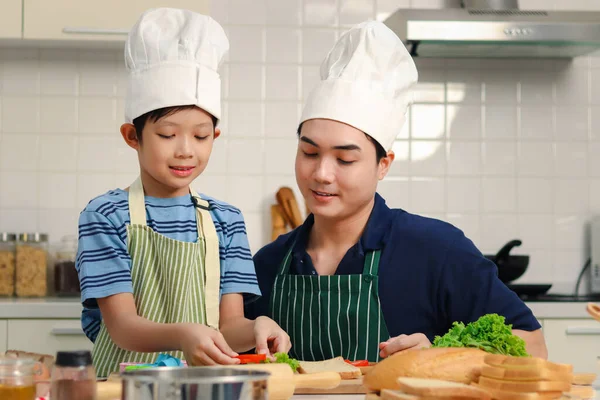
x=502, y=149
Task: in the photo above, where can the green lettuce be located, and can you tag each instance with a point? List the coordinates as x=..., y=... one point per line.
x=488, y=333
x=285, y=359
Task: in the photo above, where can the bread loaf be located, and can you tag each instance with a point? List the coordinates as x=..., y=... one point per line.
x=346, y=371
x=451, y=364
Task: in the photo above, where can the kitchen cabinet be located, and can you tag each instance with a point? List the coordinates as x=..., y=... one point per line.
x=573, y=341
x=109, y=20
x=3, y=336
x=45, y=335
x=11, y=19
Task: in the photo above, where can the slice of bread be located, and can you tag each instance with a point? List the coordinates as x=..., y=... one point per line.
x=525, y=374
x=450, y=364
x=441, y=389
x=585, y=392
x=584, y=378
x=511, y=362
x=498, y=394
x=337, y=364
x=390, y=394
x=524, y=386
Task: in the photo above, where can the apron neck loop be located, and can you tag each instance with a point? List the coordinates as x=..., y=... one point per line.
x=371, y=266
x=137, y=204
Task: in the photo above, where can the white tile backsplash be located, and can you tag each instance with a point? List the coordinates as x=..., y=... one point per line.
x=572, y=123
x=571, y=159
x=282, y=82
x=20, y=114
x=245, y=82
x=283, y=45
x=19, y=189
x=58, y=153
x=320, y=12
x=535, y=195
x=246, y=156
x=58, y=190
x=58, y=114
x=500, y=148
x=19, y=152
x=427, y=121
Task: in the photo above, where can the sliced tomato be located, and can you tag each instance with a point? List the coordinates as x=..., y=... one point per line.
x=358, y=363
x=251, y=358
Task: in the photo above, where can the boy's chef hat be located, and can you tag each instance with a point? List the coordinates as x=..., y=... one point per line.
x=172, y=57
x=366, y=82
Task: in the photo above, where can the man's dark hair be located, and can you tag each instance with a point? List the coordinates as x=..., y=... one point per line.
x=155, y=115
x=379, y=150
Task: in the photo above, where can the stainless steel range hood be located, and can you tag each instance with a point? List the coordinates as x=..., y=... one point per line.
x=496, y=29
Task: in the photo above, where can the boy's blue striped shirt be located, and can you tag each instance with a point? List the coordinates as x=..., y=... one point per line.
x=104, y=265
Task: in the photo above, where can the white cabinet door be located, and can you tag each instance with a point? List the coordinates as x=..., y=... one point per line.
x=3, y=336
x=574, y=341
x=92, y=20
x=11, y=19
x=46, y=336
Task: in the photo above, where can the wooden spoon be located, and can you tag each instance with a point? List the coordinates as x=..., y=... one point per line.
x=594, y=311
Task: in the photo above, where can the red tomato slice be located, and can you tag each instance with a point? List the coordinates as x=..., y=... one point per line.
x=251, y=358
x=358, y=363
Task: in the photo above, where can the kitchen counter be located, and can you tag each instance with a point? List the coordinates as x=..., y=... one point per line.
x=40, y=308
x=70, y=307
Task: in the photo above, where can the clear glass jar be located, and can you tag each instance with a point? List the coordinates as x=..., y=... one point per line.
x=32, y=265
x=16, y=379
x=73, y=376
x=66, y=280
x=7, y=263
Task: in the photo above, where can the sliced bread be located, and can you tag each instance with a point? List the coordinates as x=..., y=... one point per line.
x=585, y=392
x=498, y=394
x=584, y=378
x=441, y=389
x=337, y=364
x=511, y=362
x=525, y=374
x=524, y=386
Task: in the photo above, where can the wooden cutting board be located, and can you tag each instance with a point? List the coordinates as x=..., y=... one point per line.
x=347, y=386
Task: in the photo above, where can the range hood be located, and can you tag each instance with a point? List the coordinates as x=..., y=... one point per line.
x=496, y=29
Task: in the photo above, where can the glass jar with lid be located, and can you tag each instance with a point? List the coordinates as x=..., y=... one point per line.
x=32, y=265
x=66, y=280
x=73, y=376
x=17, y=378
x=7, y=263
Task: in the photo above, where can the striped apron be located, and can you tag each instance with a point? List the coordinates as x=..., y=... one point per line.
x=173, y=281
x=330, y=316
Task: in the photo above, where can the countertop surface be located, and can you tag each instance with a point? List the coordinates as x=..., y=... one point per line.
x=70, y=308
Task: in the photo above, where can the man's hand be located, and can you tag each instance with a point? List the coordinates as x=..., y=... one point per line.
x=403, y=342
x=270, y=338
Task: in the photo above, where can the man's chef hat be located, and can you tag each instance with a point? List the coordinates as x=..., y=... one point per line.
x=366, y=82
x=172, y=57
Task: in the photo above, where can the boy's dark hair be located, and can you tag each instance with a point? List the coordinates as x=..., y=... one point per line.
x=155, y=115
x=379, y=150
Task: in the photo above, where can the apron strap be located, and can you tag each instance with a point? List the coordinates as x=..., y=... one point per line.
x=284, y=269
x=372, y=263
x=137, y=204
x=212, y=261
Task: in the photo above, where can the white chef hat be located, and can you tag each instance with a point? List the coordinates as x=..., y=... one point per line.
x=172, y=57
x=366, y=82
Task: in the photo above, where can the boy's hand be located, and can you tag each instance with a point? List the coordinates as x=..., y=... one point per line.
x=270, y=338
x=203, y=345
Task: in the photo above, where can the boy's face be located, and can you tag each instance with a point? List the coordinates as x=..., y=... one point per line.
x=174, y=151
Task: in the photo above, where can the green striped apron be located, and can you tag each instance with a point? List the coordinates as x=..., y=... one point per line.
x=330, y=316
x=173, y=281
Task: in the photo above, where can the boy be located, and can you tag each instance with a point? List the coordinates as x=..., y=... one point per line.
x=162, y=268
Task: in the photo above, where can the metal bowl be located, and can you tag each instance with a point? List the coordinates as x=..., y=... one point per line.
x=194, y=383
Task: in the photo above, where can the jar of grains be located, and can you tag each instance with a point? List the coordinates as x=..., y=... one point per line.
x=32, y=265
x=7, y=263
